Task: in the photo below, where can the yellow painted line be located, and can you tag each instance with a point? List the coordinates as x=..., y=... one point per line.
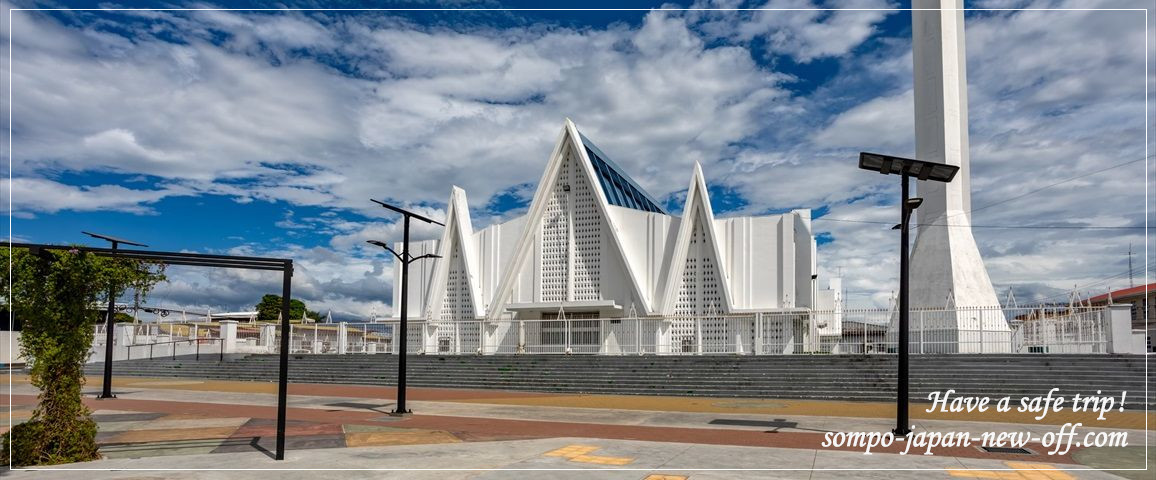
x=664, y=477
x=1040, y=471
x=425, y=437
x=986, y=474
x=581, y=453
x=571, y=451
x=602, y=460
x=1129, y=419
x=1023, y=471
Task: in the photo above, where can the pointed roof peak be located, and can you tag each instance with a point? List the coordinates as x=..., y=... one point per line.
x=698, y=176
x=697, y=193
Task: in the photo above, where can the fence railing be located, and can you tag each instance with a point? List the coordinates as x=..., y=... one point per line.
x=160, y=340
x=851, y=331
x=214, y=347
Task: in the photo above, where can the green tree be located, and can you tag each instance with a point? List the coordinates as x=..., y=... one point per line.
x=270, y=307
x=52, y=293
x=120, y=317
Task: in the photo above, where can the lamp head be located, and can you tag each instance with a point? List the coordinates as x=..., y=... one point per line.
x=113, y=239
x=914, y=203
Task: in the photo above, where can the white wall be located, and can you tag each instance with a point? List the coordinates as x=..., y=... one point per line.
x=10, y=347
x=644, y=236
x=768, y=260
x=804, y=258
x=421, y=275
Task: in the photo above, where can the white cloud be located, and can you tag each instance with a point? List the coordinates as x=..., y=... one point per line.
x=800, y=29
x=1050, y=99
x=479, y=109
x=32, y=195
x=411, y=110
x=882, y=123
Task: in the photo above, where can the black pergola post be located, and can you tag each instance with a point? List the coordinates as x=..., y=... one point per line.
x=405, y=260
x=923, y=170
x=283, y=377
x=201, y=260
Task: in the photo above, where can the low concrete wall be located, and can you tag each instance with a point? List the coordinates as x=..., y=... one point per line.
x=10, y=348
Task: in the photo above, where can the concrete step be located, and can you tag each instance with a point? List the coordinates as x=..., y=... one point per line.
x=847, y=377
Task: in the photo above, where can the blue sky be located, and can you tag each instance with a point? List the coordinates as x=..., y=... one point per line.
x=267, y=132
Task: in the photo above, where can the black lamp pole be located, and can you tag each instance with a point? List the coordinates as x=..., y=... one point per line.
x=902, y=426
x=405, y=260
x=922, y=170
x=106, y=392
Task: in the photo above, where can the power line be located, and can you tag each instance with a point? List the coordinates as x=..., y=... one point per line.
x=1061, y=182
x=1037, y=227
x=1102, y=281
x=1017, y=197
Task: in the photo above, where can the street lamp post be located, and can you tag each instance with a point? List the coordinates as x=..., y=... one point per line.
x=921, y=170
x=106, y=392
x=405, y=259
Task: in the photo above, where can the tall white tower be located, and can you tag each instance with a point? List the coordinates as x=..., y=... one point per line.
x=946, y=267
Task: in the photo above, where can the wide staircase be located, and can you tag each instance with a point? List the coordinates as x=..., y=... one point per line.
x=829, y=377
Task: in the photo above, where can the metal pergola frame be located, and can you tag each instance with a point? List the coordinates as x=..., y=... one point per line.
x=283, y=265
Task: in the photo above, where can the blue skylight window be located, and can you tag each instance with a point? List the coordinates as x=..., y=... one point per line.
x=619, y=188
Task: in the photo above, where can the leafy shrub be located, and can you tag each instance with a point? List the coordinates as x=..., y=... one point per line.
x=53, y=293
x=35, y=443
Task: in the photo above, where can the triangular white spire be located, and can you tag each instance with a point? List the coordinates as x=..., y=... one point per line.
x=569, y=140
x=1010, y=302
x=456, y=235
x=697, y=211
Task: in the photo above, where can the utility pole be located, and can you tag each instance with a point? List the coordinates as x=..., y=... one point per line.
x=1131, y=281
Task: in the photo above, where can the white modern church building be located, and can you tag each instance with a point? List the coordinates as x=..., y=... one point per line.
x=598, y=266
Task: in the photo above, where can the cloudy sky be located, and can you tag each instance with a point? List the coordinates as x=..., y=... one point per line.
x=267, y=132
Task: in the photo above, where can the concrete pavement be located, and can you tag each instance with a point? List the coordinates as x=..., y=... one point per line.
x=197, y=424
x=549, y=458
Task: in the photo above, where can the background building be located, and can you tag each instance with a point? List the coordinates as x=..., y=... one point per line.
x=1143, y=307
x=1140, y=297
x=595, y=245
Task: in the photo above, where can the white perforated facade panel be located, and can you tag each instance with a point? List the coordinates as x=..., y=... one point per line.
x=555, y=238
x=588, y=246
x=699, y=293
x=571, y=224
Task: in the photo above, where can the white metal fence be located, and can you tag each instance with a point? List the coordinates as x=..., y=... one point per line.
x=863, y=331
x=159, y=340
x=978, y=330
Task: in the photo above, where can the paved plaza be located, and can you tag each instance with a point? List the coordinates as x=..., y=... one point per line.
x=194, y=424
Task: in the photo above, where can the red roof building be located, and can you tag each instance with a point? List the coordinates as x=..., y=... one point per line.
x=1141, y=298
